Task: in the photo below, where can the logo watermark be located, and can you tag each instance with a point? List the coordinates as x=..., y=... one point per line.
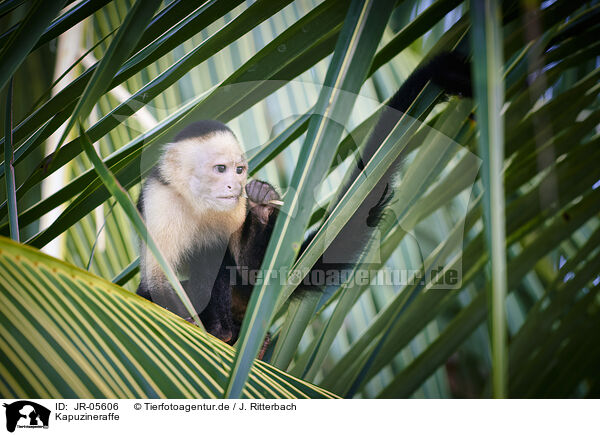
x=350, y=277
x=25, y=414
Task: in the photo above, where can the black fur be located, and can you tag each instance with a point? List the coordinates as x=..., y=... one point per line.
x=157, y=175
x=140, y=202
x=217, y=317
x=200, y=129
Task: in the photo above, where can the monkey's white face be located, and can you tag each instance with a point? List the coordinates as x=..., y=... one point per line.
x=220, y=177
x=215, y=170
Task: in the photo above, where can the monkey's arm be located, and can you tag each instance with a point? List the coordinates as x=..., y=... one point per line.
x=250, y=245
x=216, y=317
x=217, y=275
x=253, y=237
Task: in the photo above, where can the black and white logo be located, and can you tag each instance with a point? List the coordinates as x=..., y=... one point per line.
x=24, y=414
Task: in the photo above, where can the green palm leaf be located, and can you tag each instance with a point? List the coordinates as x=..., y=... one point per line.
x=362, y=30
x=22, y=40
x=67, y=333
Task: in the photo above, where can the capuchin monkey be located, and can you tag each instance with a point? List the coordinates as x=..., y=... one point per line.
x=195, y=209
x=202, y=212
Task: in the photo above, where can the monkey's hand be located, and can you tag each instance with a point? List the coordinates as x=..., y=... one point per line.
x=261, y=193
x=262, y=198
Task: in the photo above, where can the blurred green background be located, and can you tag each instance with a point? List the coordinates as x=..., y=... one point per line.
x=525, y=321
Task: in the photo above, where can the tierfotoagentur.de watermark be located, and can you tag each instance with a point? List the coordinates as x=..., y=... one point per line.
x=437, y=277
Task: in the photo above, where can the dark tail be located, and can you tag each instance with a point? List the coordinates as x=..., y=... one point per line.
x=451, y=72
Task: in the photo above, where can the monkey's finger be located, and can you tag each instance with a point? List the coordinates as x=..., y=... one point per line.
x=265, y=191
x=260, y=192
x=253, y=190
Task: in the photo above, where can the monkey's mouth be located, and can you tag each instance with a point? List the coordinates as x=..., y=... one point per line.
x=229, y=197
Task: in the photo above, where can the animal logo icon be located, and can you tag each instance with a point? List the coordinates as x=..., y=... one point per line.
x=26, y=414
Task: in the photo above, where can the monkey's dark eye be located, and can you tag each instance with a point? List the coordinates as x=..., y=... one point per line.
x=220, y=168
x=239, y=169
